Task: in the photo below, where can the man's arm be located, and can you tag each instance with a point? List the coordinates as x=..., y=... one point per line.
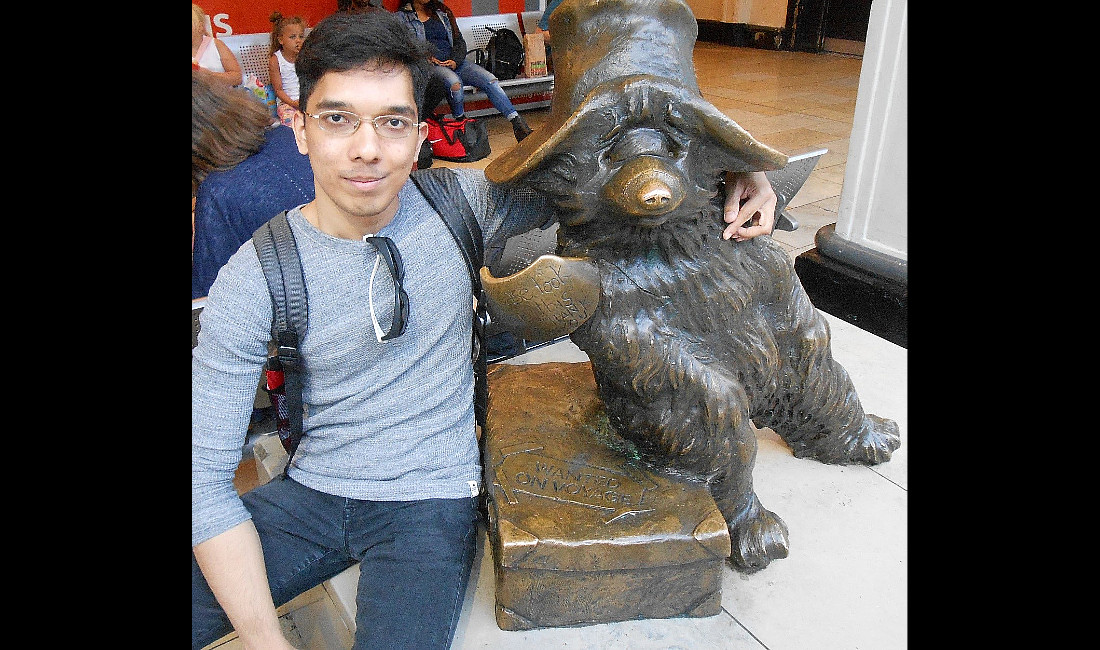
x=233, y=564
x=759, y=205
x=225, y=371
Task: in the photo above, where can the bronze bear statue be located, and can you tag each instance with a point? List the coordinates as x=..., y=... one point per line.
x=694, y=338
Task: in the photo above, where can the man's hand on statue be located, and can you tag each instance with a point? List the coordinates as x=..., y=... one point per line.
x=749, y=198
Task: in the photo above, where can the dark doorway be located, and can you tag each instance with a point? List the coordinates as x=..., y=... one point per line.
x=827, y=25
x=847, y=19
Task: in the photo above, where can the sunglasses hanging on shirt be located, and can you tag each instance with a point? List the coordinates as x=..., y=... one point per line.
x=388, y=253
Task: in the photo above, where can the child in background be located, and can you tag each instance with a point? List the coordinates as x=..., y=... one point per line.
x=287, y=36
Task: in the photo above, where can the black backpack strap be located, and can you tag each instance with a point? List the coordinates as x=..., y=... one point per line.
x=441, y=188
x=282, y=267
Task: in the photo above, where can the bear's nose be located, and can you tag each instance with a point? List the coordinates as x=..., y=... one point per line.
x=655, y=195
x=647, y=186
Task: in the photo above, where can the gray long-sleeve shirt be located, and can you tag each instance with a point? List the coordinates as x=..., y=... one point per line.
x=389, y=421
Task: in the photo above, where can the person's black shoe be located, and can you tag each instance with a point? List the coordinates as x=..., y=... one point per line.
x=520, y=128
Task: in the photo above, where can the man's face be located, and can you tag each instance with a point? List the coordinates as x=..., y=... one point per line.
x=358, y=176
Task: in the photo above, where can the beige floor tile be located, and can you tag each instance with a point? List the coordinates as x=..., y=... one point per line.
x=837, y=154
x=832, y=173
x=726, y=98
x=829, y=204
x=810, y=219
x=833, y=162
x=793, y=101
x=841, y=114
x=815, y=189
x=834, y=128
x=772, y=95
x=789, y=121
x=797, y=139
x=822, y=95
x=759, y=125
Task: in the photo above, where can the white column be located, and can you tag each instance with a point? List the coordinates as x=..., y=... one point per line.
x=872, y=222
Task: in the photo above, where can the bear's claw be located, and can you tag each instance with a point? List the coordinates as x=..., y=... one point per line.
x=758, y=539
x=872, y=444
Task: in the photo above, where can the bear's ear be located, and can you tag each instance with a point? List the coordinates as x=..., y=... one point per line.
x=710, y=157
x=556, y=175
x=733, y=147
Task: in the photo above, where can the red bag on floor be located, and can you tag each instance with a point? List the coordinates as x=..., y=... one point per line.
x=463, y=140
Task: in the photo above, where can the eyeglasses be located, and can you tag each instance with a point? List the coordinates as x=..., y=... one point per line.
x=393, y=127
x=388, y=253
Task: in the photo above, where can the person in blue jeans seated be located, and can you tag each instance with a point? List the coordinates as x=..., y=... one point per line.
x=543, y=27
x=388, y=472
x=434, y=22
x=544, y=19
x=245, y=168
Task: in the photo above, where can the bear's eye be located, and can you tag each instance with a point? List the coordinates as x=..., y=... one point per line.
x=612, y=124
x=563, y=166
x=639, y=142
x=674, y=117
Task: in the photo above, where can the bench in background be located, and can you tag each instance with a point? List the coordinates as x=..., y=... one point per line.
x=524, y=92
x=253, y=51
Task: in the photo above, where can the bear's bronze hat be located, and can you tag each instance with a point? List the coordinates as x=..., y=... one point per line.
x=603, y=47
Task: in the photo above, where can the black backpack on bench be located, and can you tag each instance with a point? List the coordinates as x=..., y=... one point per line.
x=282, y=267
x=503, y=54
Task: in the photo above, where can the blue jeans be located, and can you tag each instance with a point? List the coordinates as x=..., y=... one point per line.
x=472, y=74
x=415, y=560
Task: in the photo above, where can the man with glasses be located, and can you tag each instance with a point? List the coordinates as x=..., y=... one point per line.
x=388, y=471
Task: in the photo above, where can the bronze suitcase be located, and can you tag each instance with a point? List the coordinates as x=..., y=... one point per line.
x=581, y=531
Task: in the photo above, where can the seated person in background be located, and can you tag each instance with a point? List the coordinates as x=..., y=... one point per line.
x=287, y=36
x=543, y=27
x=244, y=171
x=434, y=22
x=544, y=20
x=211, y=55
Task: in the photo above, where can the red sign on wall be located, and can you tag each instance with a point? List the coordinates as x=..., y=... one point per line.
x=252, y=16
x=229, y=17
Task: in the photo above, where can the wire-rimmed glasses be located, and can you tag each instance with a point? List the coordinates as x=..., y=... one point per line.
x=392, y=127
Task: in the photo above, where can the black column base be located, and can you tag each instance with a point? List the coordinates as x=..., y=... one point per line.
x=868, y=301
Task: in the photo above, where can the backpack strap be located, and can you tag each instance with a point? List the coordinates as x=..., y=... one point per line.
x=441, y=188
x=282, y=267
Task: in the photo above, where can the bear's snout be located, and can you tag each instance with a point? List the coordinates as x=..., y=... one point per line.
x=647, y=187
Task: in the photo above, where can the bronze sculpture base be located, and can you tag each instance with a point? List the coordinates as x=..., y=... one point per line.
x=582, y=531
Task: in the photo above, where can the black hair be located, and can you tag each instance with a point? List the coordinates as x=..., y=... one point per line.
x=344, y=41
x=346, y=5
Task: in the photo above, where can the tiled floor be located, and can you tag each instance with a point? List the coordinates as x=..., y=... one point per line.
x=844, y=585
